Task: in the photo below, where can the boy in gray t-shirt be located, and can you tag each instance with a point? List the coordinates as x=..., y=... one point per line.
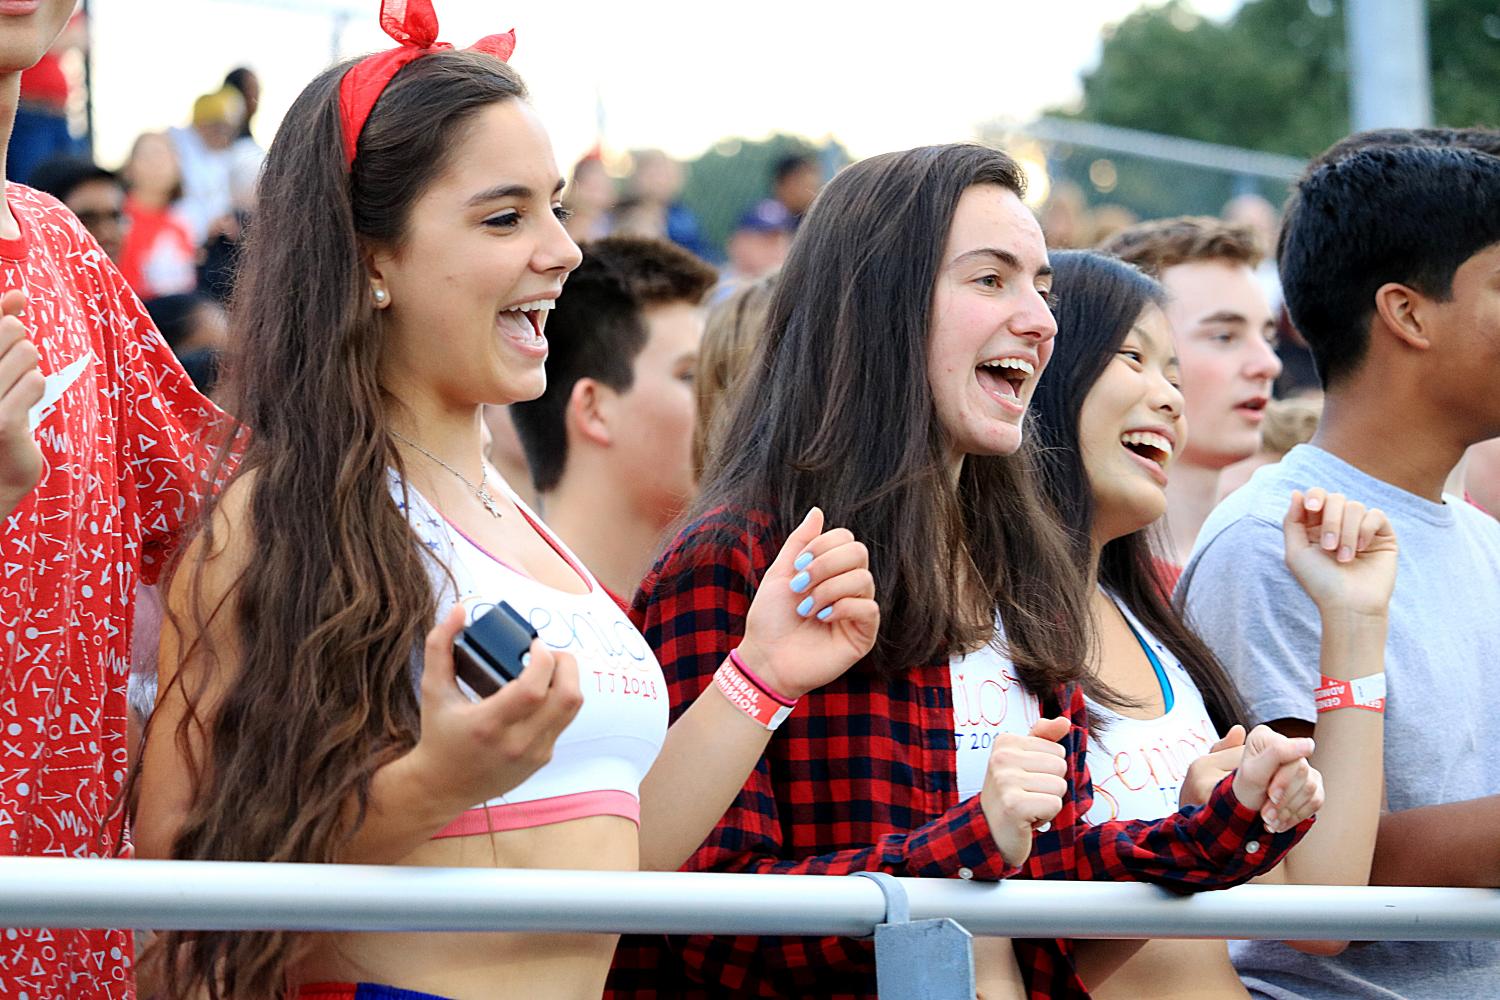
x=1442, y=696
x=1390, y=259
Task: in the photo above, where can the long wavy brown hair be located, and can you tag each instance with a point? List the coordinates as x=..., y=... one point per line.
x=835, y=410
x=333, y=605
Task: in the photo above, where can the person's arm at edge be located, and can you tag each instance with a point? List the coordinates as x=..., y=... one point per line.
x=21, y=388
x=1352, y=591
x=1452, y=844
x=1340, y=850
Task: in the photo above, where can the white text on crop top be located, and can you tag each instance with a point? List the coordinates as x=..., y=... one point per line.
x=600, y=758
x=1138, y=765
x=988, y=700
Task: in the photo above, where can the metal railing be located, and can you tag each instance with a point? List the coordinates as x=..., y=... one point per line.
x=47, y=892
x=1188, y=152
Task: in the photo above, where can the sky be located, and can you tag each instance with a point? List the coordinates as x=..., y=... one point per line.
x=675, y=74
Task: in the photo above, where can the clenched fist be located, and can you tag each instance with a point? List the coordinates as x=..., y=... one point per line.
x=1024, y=786
x=1275, y=779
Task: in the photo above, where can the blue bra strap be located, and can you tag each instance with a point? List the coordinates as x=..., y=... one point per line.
x=1167, y=696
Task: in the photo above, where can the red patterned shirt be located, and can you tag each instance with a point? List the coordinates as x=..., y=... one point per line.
x=124, y=439
x=862, y=777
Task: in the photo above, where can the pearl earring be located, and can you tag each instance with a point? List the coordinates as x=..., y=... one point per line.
x=380, y=296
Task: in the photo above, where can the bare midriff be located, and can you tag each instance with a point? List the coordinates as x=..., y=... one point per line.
x=490, y=966
x=1162, y=970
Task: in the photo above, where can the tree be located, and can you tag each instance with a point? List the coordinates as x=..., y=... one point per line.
x=1273, y=77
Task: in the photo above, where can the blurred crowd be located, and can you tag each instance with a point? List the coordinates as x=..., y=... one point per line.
x=171, y=216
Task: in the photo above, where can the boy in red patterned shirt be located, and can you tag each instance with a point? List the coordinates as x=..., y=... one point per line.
x=103, y=446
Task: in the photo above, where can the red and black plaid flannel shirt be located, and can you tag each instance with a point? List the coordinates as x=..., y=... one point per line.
x=863, y=777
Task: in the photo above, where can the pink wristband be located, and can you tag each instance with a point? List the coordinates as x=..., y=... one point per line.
x=748, y=698
x=766, y=689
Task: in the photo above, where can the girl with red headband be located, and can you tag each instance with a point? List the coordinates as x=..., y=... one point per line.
x=407, y=246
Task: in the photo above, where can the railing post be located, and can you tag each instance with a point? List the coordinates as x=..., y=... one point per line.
x=919, y=959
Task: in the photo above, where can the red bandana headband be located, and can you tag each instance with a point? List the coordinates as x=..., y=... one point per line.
x=414, y=24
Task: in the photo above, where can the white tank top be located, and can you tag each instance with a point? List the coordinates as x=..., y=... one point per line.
x=1138, y=765
x=600, y=758
x=988, y=700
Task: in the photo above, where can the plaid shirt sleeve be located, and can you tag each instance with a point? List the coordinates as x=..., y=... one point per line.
x=692, y=610
x=1213, y=846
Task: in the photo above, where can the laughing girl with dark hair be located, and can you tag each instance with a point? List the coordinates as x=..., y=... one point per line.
x=1109, y=423
x=407, y=244
x=908, y=329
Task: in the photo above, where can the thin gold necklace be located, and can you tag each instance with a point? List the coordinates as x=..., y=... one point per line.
x=481, y=491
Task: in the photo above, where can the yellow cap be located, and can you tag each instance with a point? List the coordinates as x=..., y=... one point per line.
x=224, y=105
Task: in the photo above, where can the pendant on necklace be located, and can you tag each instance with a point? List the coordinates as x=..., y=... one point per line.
x=487, y=500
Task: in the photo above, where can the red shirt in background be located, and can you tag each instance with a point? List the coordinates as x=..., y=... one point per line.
x=126, y=449
x=46, y=83
x=1167, y=574
x=158, y=256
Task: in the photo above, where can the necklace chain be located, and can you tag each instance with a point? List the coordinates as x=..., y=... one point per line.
x=481, y=491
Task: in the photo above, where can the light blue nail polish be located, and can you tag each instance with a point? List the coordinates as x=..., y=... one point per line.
x=803, y=561
x=805, y=608
x=801, y=582
x=823, y=615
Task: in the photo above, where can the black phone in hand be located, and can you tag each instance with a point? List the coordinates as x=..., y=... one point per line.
x=493, y=649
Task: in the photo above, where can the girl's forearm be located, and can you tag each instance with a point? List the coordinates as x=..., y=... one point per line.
x=708, y=754
x=1350, y=746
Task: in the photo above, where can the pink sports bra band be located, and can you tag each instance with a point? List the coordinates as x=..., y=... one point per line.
x=541, y=812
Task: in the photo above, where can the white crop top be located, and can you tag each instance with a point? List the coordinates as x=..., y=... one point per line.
x=988, y=700
x=1138, y=765
x=600, y=758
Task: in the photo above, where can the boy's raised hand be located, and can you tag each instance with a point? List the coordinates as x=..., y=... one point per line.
x=1343, y=555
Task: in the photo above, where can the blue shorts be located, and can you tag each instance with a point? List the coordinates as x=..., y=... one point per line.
x=360, y=991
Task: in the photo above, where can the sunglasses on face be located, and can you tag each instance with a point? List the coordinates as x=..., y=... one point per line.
x=92, y=217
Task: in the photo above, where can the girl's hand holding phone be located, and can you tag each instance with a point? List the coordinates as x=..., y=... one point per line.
x=476, y=751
